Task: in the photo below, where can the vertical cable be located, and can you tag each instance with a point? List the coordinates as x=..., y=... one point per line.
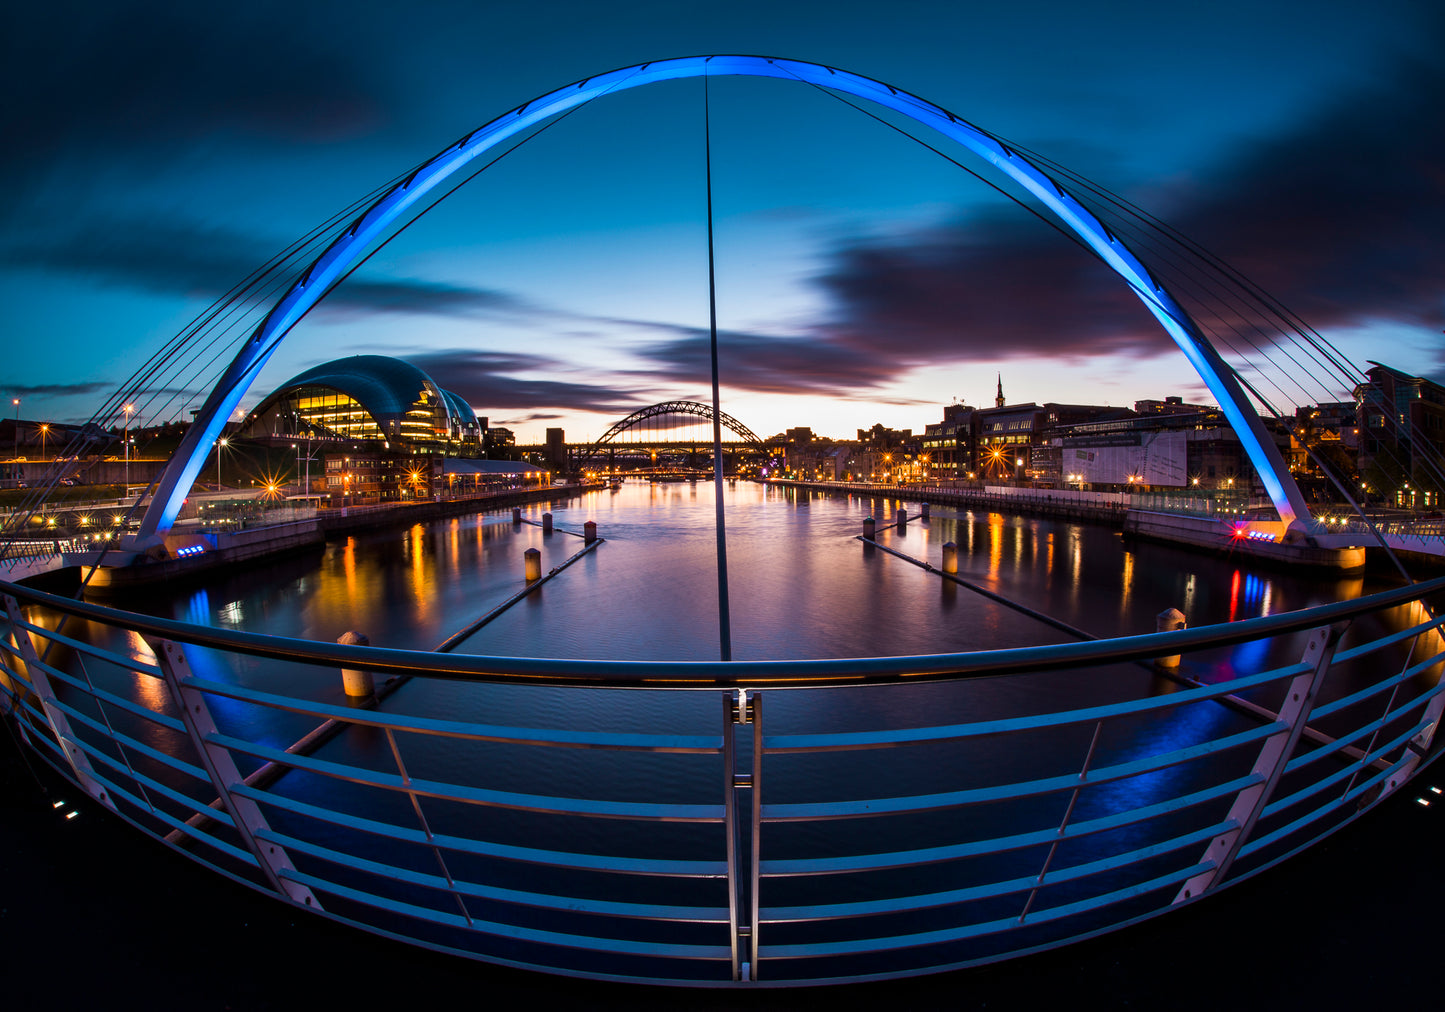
x=724, y=621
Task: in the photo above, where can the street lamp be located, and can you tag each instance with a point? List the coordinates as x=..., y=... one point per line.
x=44, y=431
x=221, y=444
x=128, y=409
x=16, y=401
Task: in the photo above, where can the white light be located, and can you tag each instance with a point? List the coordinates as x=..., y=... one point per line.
x=58, y=804
x=1435, y=790
x=71, y=815
x=1422, y=801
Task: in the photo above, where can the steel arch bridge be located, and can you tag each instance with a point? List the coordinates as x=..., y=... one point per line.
x=351, y=244
x=667, y=409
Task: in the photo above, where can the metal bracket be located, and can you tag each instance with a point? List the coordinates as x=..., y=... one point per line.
x=1299, y=700
x=59, y=724
x=246, y=814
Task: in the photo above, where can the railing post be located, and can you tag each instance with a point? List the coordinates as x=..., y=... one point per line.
x=739, y=707
x=59, y=723
x=1299, y=700
x=249, y=821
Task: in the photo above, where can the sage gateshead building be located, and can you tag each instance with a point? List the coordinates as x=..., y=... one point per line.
x=368, y=400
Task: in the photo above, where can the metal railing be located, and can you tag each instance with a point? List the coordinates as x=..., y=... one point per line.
x=644, y=821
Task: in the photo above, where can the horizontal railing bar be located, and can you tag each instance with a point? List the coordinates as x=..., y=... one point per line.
x=1257, y=843
x=851, y=740
x=543, y=901
x=238, y=853
x=1368, y=692
x=1280, y=802
x=1367, y=728
x=994, y=890
x=673, y=743
x=1277, y=805
x=512, y=931
x=774, y=868
x=702, y=674
x=812, y=811
x=1376, y=688
x=120, y=702
x=150, y=783
x=88, y=649
x=1361, y=650
x=125, y=661
x=665, y=868
x=544, y=803
x=861, y=947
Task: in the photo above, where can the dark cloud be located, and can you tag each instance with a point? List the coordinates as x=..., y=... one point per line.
x=1342, y=218
x=82, y=78
x=482, y=380
x=180, y=257
x=996, y=286
x=58, y=389
x=766, y=363
x=1339, y=217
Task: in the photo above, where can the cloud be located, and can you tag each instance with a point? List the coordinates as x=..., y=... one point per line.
x=59, y=389
x=118, y=77
x=764, y=363
x=1342, y=216
x=1338, y=216
x=482, y=379
x=989, y=287
x=183, y=257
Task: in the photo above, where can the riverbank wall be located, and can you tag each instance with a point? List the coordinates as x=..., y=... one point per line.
x=1253, y=538
x=191, y=553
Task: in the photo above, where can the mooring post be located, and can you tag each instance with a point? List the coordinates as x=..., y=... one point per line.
x=870, y=527
x=516, y=514
x=925, y=511
x=546, y=523
x=902, y=518
x=950, y=557
x=589, y=532
x=354, y=681
x=1167, y=621
x=533, y=564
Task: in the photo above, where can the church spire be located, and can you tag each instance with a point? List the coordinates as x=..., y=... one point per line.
x=998, y=401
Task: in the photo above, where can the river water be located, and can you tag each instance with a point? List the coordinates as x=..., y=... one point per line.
x=800, y=583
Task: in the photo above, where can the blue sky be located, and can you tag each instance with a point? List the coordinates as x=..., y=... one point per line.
x=156, y=153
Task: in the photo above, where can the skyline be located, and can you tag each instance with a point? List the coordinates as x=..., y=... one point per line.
x=162, y=154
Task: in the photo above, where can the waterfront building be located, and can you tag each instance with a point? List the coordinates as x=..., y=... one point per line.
x=498, y=442
x=383, y=403
x=951, y=445
x=1014, y=442
x=1167, y=449
x=556, y=452
x=1324, y=448
x=1401, y=419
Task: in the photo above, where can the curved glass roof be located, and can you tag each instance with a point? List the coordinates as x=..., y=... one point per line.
x=459, y=408
x=386, y=387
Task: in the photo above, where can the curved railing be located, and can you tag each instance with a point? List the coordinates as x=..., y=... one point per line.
x=655, y=821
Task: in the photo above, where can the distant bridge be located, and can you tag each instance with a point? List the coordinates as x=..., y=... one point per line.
x=648, y=420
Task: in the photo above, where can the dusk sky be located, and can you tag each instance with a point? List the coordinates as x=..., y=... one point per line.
x=155, y=154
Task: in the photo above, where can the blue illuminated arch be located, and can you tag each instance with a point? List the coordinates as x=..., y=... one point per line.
x=343, y=253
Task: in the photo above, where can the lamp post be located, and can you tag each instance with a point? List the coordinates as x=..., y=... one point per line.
x=44, y=431
x=16, y=401
x=220, y=445
x=127, y=409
